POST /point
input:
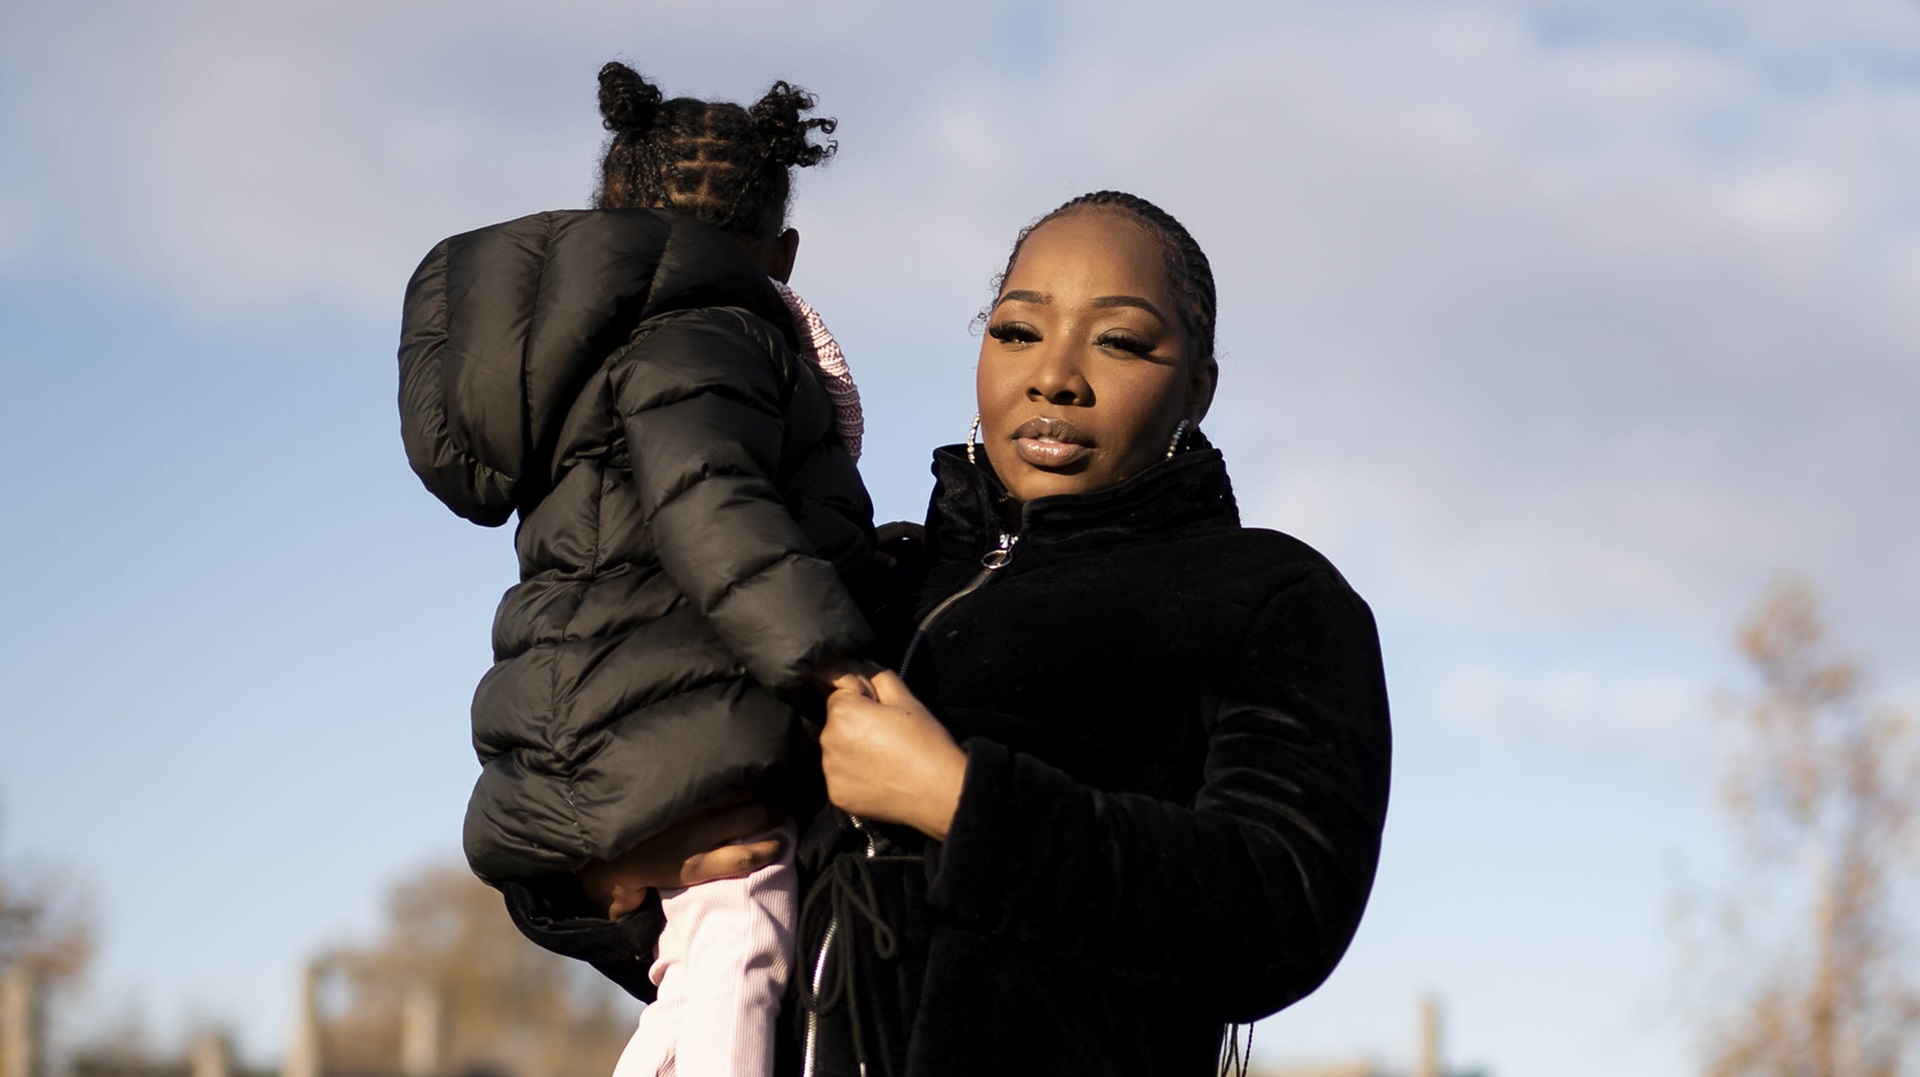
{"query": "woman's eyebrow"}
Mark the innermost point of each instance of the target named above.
(1024, 296)
(1106, 301)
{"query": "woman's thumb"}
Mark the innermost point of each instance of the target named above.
(889, 688)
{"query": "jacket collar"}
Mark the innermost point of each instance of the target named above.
(967, 515)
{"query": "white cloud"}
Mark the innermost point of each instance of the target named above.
(249, 161)
(1623, 711)
(1543, 322)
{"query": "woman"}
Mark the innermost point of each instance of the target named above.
(1131, 785)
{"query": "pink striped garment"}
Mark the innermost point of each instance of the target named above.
(721, 967)
(823, 353)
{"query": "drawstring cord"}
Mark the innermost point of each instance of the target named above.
(1234, 1060)
(845, 890)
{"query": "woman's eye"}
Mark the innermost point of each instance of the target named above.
(1126, 342)
(1012, 333)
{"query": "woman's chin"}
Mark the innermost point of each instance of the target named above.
(1030, 483)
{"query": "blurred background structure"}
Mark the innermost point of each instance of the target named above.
(447, 987)
(1564, 327)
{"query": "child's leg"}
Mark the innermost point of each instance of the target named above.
(721, 968)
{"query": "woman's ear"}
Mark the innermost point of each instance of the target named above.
(1201, 381)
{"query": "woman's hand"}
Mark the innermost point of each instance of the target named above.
(886, 757)
(700, 848)
(900, 533)
(853, 674)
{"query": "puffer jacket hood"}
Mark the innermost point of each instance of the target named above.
(505, 324)
(625, 382)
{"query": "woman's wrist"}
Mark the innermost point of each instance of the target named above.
(946, 777)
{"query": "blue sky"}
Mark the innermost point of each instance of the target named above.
(1562, 328)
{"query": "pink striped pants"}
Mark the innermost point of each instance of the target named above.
(722, 965)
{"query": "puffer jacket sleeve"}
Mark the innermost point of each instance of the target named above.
(703, 402)
(553, 913)
(1243, 900)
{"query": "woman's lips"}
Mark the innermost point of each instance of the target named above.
(1051, 443)
(1049, 454)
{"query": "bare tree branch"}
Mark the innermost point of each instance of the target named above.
(44, 922)
(1822, 789)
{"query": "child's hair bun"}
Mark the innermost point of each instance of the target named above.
(629, 104)
(782, 132)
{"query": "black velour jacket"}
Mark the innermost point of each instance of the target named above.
(1178, 759)
(626, 382)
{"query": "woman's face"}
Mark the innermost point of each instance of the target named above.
(1084, 370)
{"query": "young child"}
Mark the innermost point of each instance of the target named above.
(676, 431)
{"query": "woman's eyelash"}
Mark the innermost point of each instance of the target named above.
(1020, 333)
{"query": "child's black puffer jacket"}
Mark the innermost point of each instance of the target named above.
(625, 381)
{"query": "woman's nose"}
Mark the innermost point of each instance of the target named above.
(1056, 379)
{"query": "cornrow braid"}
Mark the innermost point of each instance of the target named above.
(1187, 266)
(727, 165)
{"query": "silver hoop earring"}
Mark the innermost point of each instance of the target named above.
(1179, 435)
(973, 436)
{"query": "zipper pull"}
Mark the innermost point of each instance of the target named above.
(998, 558)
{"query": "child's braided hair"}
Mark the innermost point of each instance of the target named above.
(727, 165)
(1187, 265)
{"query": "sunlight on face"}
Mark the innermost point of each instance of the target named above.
(1084, 370)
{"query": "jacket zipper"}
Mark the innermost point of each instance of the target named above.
(993, 561)
(819, 975)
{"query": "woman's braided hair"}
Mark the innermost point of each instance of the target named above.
(1187, 266)
(727, 165)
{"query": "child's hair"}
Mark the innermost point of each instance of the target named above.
(727, 165)
(1187, 265)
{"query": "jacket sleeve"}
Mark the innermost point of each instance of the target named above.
(552, 913)
(1243, 900)
(703, 406)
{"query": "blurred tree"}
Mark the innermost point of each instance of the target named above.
(44, 923)
(502, 1004)
(1823, 790)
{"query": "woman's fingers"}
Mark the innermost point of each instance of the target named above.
(900, 529)
(848, 674)
(889, 689)
(729, 861)
(887, 758)
(898, 534)
(849, 717)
